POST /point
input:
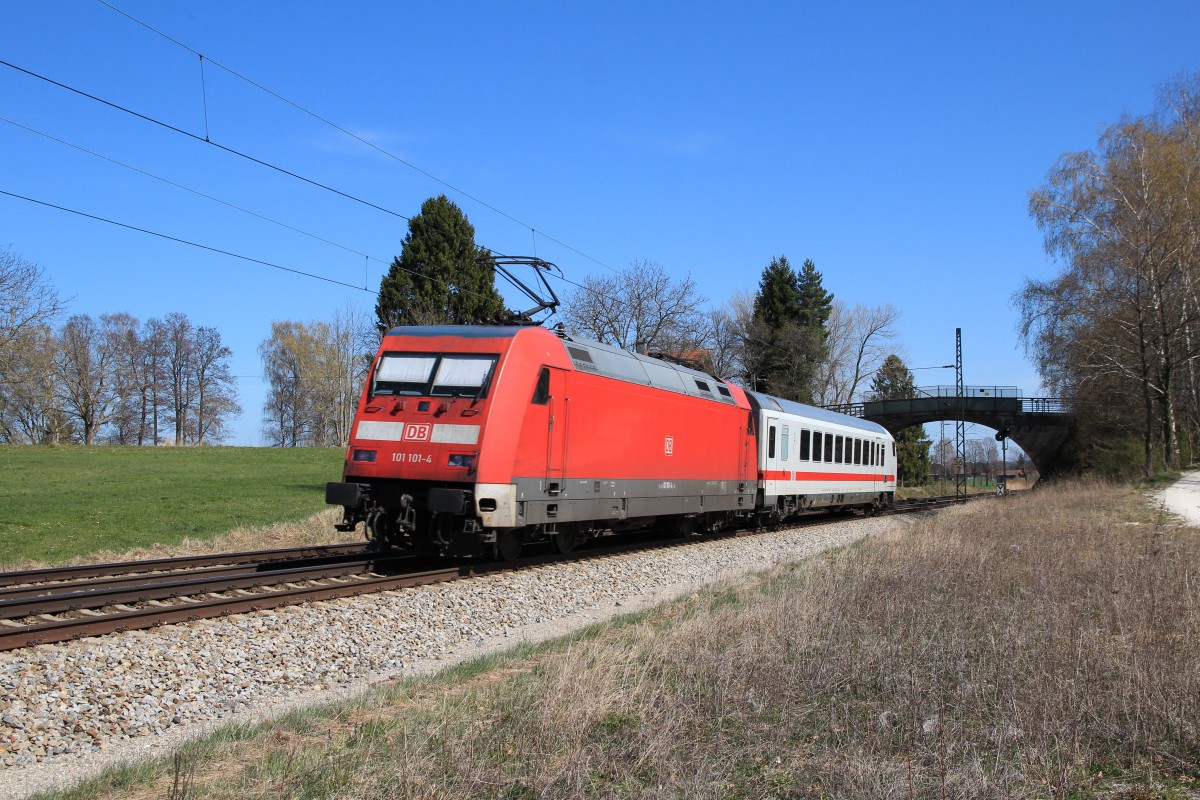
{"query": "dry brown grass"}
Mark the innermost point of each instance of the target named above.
(1042, 646)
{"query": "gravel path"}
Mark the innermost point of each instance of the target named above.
(1183, 498)
(67, 711)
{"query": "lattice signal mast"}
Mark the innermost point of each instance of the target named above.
(960, 424)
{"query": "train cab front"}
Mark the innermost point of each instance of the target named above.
(413, 456)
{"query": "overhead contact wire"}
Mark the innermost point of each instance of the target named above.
(355, 136)
(211, 249)
(193, 136)
(183, 241)
(196, 192)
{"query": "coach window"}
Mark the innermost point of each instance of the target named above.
(837, 450)
(805, 442)
(829, 448)
(783, 443)
(771, 442)
(871, 453)
(541, 392)
(816, 446)
(858, 451)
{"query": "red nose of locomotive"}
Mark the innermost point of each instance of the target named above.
(419, 438)
(414, 453)
(421, 416)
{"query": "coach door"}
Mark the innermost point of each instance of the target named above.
(558, 428)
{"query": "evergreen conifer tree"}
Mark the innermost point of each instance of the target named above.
(894, 381)
(441, 277)
(785, 340)
(815, 303)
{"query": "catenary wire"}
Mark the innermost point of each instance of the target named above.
(196, 192)
(214, 144)
(127, 226)
(193, 136)
(351, 134)
(251, 158)
(222, 147)
(183, 241)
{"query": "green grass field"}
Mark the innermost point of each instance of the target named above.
(57, 503)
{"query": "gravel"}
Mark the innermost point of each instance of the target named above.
(68, 711)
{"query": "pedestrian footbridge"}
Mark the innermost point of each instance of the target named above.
(1038, 425)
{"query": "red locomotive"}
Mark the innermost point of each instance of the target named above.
(472, 440)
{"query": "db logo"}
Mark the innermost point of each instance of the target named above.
(669, 445)
(417, 432)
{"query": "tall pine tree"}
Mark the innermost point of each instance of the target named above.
(816, 304)
(894, 381)
(441, 277)
(785, 340)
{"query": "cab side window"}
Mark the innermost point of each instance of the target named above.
(541, 392)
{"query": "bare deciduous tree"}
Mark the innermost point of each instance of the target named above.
(179, 342)
(943, 457)
(316, 371)
(860, 338)
(724, 343)
(85, 372)
(640, 308)
(26, 301)
(216, 394)
(125, 422)
(29, 411)
(28, 308)
(1124, 312)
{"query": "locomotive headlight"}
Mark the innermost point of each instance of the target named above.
(364, 455)
(461, 460)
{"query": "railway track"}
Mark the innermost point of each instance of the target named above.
(165, 565)
(55, 605)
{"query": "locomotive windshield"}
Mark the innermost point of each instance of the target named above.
(431, 375)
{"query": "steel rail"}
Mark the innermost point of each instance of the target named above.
(49, 574)
(159, 589)
(126, 619)
(263, 568)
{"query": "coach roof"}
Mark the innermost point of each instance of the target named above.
(766, 401)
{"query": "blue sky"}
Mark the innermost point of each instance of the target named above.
(894, 144)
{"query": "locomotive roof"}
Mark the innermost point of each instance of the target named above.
(464, 331)
(594, 357)
(615, 362)
(814, 412)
